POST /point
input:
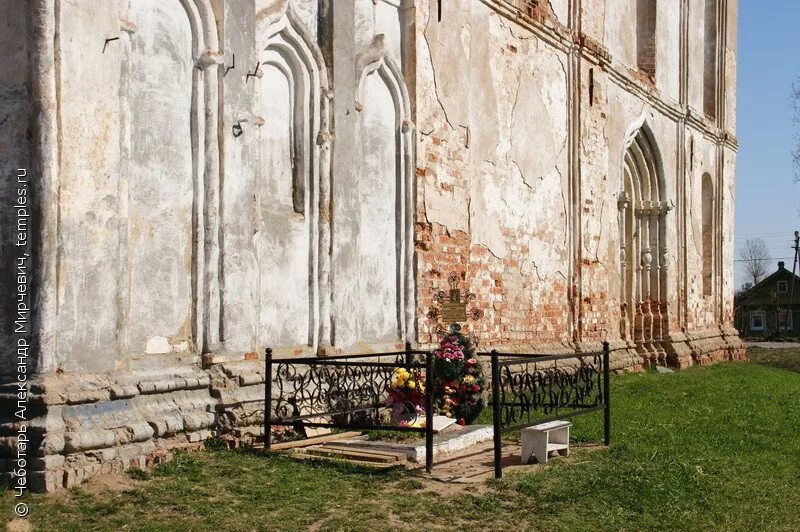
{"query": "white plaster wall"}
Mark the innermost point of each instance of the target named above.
(697, 11)
(14, 122)
(242, 164)
(731, 65)
(561, 10)
(704, 161)
(728, 199)
(159, 176)
(668, 25)
(504, 112)
(376, 269)
(379, 17)
(88, 175)
(283, 239)
(620, 31)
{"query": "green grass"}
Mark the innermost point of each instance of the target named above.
(706, 448)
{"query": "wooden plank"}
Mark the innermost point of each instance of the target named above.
(374, 465)
(350, 454)
(364, 450)
(313, 441)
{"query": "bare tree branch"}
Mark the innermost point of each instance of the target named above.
(796, 112)
(755, 257)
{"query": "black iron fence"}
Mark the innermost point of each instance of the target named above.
(529, 389)
(343, 392)
(350, 391)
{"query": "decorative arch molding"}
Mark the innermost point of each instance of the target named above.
(205, 56)
(285, 45)
(376, 61)
(643, 209)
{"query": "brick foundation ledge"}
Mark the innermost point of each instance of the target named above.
(82, 425)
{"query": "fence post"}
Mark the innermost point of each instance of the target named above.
(606, 394)
(409, 356)
(268, 399)
(498, 449)
(428, 411)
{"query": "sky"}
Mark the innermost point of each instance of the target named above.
(767, 198)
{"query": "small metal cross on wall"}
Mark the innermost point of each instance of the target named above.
(453, 306)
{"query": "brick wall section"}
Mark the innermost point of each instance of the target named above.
(502, 292)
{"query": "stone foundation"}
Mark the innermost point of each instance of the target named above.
(82, 425)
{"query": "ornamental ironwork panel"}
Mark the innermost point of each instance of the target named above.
(348, 392)
(532, 390)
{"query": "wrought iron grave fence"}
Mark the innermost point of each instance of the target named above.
(350, 391)
(529, 389)
(343, 392)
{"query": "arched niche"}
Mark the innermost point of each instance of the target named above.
(291, 185)
(643, 208)
(169, 166)
(380, 275)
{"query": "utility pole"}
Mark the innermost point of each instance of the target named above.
(796, 247)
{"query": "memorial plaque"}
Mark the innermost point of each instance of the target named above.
(454, 311)
(452, 307)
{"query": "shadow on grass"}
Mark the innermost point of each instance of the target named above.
(788, 359)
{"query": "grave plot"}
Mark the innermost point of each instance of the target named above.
(406, 408)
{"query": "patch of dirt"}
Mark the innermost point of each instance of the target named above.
(111, 482)
(18, 525)
(470, 470)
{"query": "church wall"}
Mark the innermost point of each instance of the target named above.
(211, 207)
(491, 180)
(15, 116)
(89, 197)
(244, 174)
(701, 307)
(696, 54)
(158, 182)
(727, 197)
(667, 53)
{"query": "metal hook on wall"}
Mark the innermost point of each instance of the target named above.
(231, 67)
(108, 41)
(256, 73)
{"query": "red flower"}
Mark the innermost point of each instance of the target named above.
(461, 422)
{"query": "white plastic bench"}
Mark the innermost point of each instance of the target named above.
(540, 440)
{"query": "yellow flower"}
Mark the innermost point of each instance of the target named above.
(469, 379)
(412, 384)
